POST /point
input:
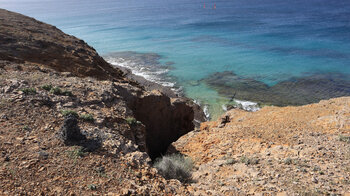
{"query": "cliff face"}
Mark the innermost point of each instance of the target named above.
(45, 75)
(288, 150)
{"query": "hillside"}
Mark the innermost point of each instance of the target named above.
(301, 150)
(72, 123)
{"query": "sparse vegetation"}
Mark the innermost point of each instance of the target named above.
(92, 187)
(230, 162)
(101, 172)
(47, 87)
(26, 128)
(175, 166)
(69, 112)
(132, 121)
(87, 117)
(58, 91)
(77, 153)
(343, 138)
(316, 168)
(249, 161)
(67, 93)
(28, 91)
(288, 161)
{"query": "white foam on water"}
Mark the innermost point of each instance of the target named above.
(147, 72)
(206, 112)
(248, 105)
(224, 107)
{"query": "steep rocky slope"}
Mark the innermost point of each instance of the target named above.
(290, 150)
(24, 39)
(45, 75)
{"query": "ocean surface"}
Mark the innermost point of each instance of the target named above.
(274, 52)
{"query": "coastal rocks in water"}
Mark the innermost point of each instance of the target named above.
(70, 131)
(294, 91)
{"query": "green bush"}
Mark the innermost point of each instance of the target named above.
(58, 91)
(69, 112)
(47, 87)
(343, 138)
(92, 187)
(28, 91)
(249, 161)
(67, 93)
(77, 153)
(87, 117)
(175, 166)
(132, 121)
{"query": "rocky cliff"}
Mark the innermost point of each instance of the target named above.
(66, 114)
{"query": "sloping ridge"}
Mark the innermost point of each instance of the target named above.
(24, 39)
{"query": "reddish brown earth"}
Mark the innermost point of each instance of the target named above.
(24, 39)
(288, 150)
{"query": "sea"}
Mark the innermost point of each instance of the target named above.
(220, 53)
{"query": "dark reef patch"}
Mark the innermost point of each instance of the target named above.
(293, 91)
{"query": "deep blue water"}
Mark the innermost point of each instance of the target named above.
(266, 40)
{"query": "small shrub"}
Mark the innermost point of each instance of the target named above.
(77, 153)
(28, 91)
(101, 171)
(26, 128)
(47, 87)
(316, 168)
(230, 162)
(343, 138)
(92, 187)
(288, 161)
(87, 117)
(249, 161)
(175, 167)
(56, 91)
(67, 93)
(132, 121)
(69, 112)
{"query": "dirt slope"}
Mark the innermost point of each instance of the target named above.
(288, 150)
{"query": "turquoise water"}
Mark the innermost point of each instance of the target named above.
(269, 41)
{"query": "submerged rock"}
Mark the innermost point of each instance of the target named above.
(293, 91)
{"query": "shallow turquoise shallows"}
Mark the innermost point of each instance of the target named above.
(268, 41)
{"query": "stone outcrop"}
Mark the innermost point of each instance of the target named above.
(70, 131)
